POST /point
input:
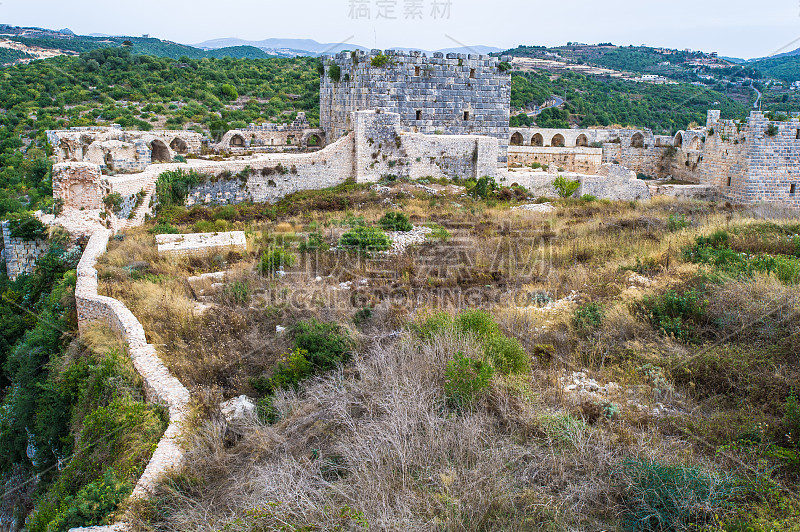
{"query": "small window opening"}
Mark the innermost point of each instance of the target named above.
(798, 134)
(729, 180)
(472, 73)
(792, 189)
(466, 115)
(419, 114)
(416, 71)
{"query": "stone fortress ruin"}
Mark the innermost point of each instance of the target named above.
(402, 115)
(756, 160)
(453, 94)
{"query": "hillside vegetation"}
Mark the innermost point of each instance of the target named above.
(605, 366)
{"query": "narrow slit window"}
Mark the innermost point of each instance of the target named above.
(466, 115)
(416, 73)
(472, 73)
(729, 180)
(419, 114)
(792, 189)
(798, 134)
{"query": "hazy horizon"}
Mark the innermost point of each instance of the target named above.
(732, 28)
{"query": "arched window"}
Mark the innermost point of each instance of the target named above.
(637, 141)
(516, 139)
(558, 141)
(537, 140)
(582, 141)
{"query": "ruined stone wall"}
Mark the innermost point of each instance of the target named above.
(79, 185)
(580, 160)
(639, 150)
(273, 137)
(119, 151)
(773, 163)
(457, 94)
(20, 255)
(160, 386)
(383, 149)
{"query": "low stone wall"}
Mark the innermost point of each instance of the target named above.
(159, 384)
(198, 243)
(698, 192)
(581, 160)
(20, 255)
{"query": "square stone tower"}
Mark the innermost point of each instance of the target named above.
(457, 94)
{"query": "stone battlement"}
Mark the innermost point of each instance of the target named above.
(457, 94)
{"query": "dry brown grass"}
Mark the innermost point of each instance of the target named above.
(376, 437)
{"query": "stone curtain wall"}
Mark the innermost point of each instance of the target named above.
(383, 149)
(773, 162)
(579, 160)
(640, 150)
(273, 176)
(160, 386)
(20, 255)
(431, 94)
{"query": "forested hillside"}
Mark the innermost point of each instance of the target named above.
(113, 85)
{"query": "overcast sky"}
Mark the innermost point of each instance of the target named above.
(738, 28)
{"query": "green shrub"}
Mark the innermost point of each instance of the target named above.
(663, 498)
(227, 212)
(676, 222)
(335, 72)
(588, 316)
(275, 259)
(466, 380)
(365, 239)
(204, 226)
(429, 325)
(438, 233)
(89, 507)
(380, 60)
(326, 344)
(678, 315)
(288, 373)
(772, 130)
(486, 187)
(588, 198)
(164, 228)
(477, 322)
(314, 241)
(564, 187)
(506, 354)
(172, 186)
(27, 227)
(113, 202)
(266, 411)
(395, 221)
(504, 66)
(237, 292)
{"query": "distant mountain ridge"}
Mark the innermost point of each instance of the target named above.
(314, 48)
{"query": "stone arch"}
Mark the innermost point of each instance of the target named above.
(582, 141)
(314, 140)
(159, 152)
(237, 141)
(179, 145)
(66, 152)
(516, 139)
(637, 141)
(695, 143)
(678, 140)
(109, 161)
(537, 140)
(558, 141)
